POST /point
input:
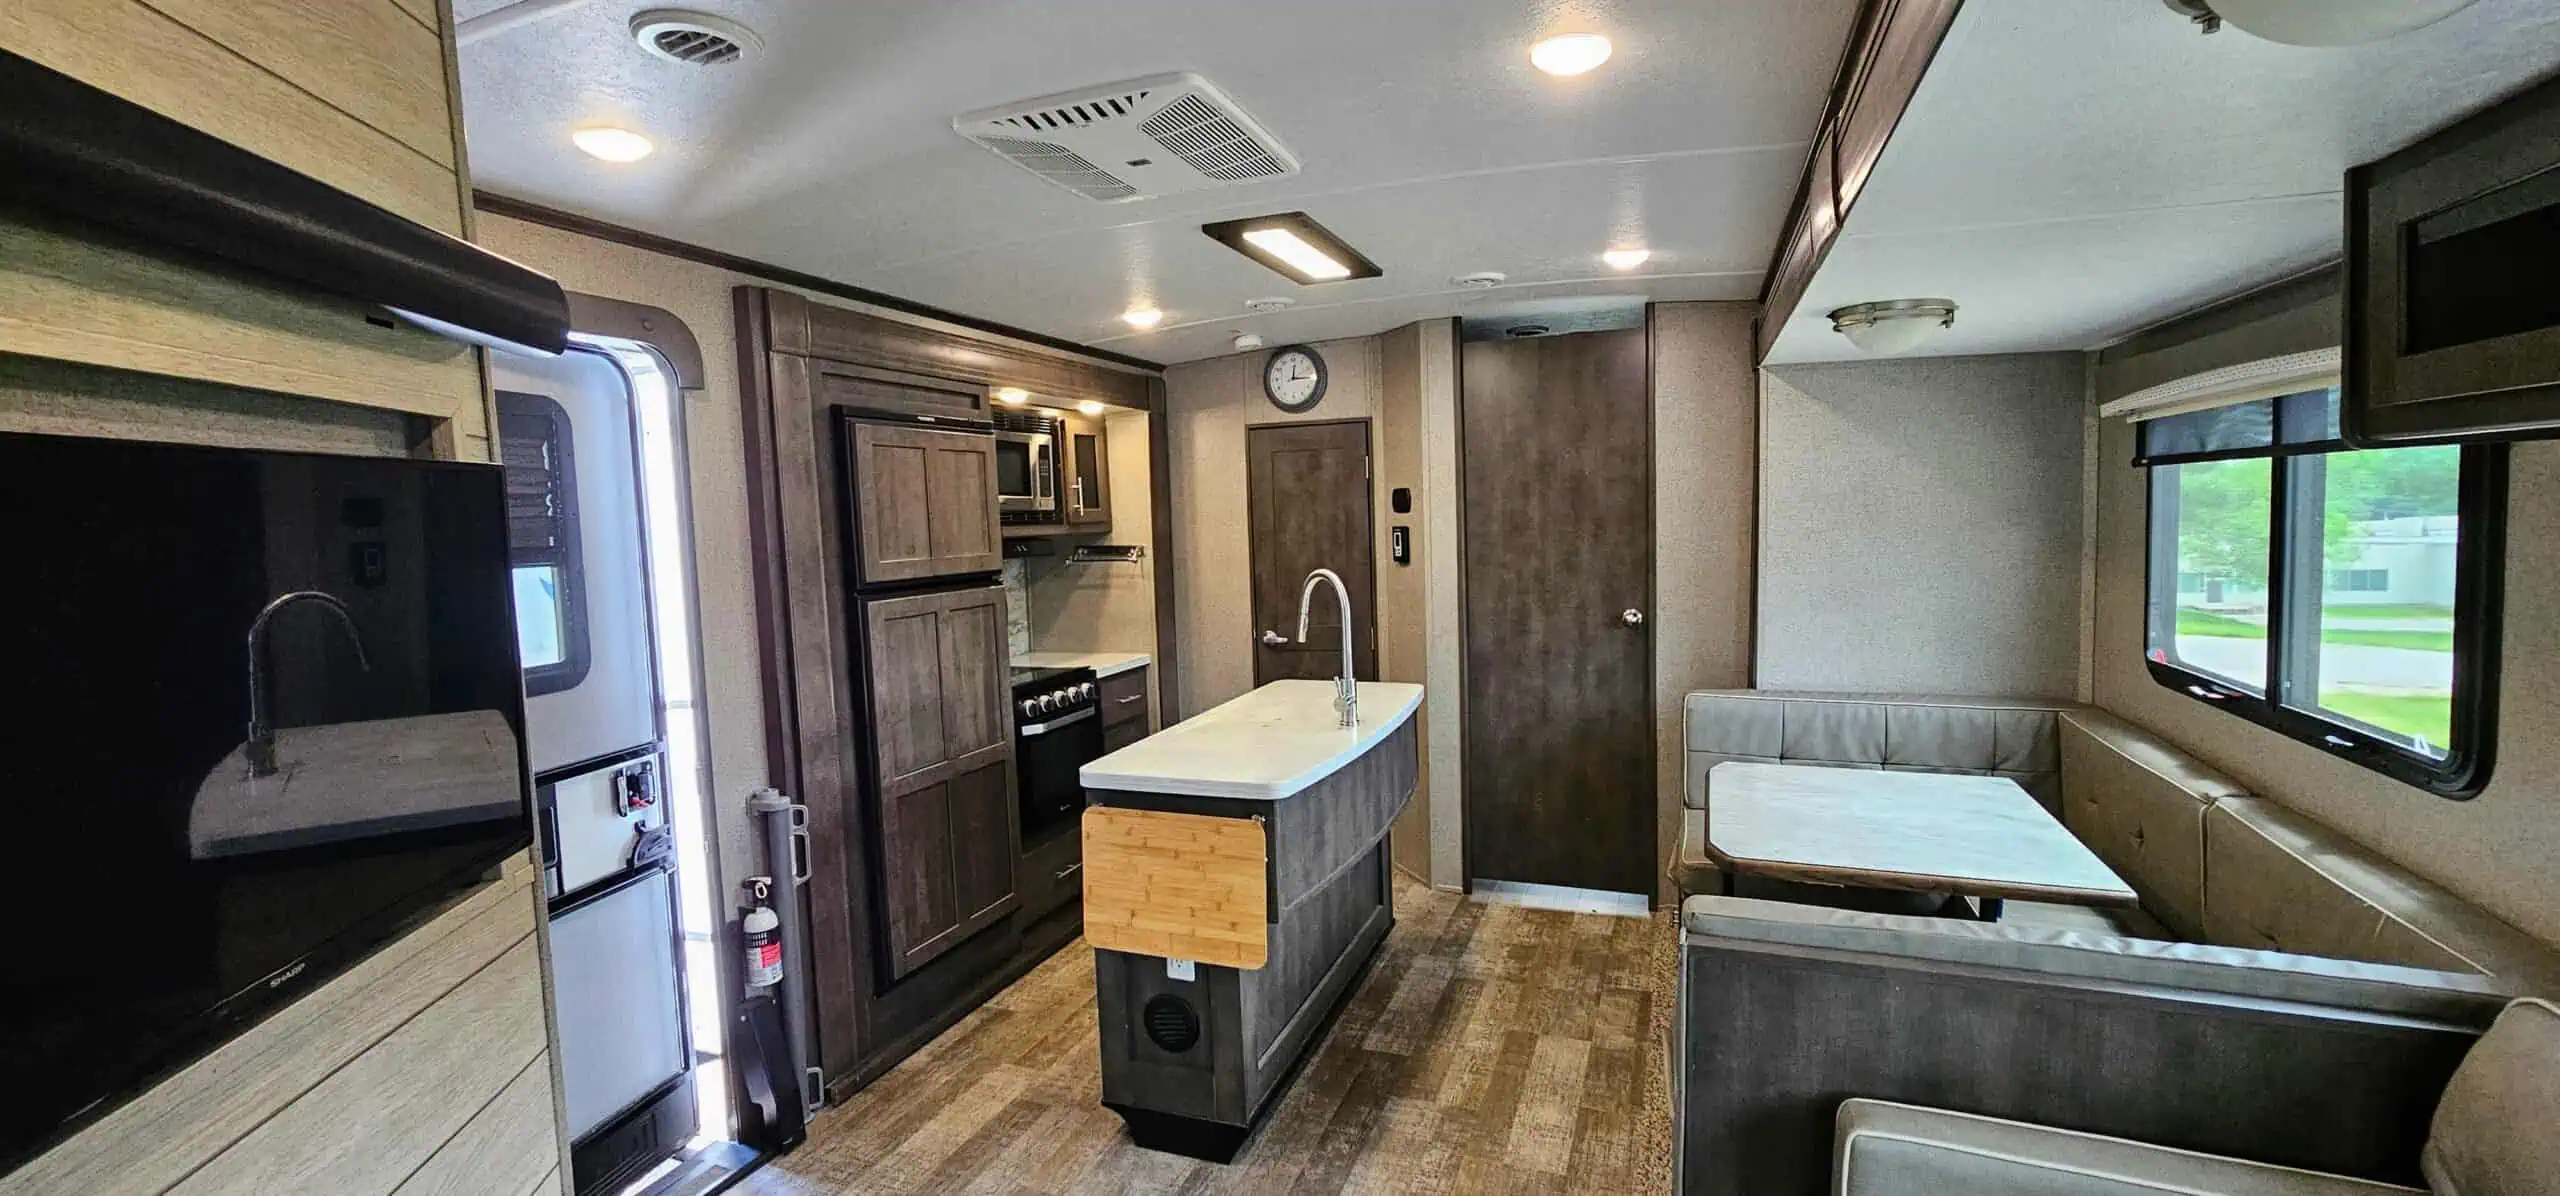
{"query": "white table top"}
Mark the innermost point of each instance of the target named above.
(1264, 746)
(1103, 664)
(1979, 836)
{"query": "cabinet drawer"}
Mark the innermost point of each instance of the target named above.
(1052, 874)
(1120, 735)
(1124, 697)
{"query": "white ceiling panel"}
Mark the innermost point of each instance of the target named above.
(1427, 141)
(2072, 171)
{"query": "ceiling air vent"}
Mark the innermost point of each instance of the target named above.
(1133, 140)
(693, 38)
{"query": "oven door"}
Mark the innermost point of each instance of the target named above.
(1046, 759)
(1026, 472)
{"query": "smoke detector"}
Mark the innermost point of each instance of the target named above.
(1266, 306)
(1135, 140)
(694, 38)
(1481, 280)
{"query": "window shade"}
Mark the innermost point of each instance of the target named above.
(2248, 382)
(2283, 426)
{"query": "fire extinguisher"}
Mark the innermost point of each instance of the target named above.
(763, 935)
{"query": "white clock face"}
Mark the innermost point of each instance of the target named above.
(1293, 378)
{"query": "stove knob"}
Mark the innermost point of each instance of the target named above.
(1085, 691)
(1048, 702)
(1029, 708)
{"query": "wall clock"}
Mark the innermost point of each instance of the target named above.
(1294, 378)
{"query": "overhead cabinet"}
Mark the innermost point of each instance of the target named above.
(924, 502)
(1087, 456)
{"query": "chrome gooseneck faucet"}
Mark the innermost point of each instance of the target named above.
(261, 748)
(1346, 688)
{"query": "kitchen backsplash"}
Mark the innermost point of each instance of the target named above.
(1017, 609)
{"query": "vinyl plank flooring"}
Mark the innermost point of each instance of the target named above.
(1492, 1049)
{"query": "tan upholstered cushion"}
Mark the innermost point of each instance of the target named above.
(2232, 971)
(2277, 879)
(2497, 1128)
(2087, 919)
(1691, 870)
(1885, 1149)
(2139, 803)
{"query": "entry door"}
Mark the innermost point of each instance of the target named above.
(1557, 514)
(1309, 510)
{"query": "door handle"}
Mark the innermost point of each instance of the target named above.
(1274, 638)
(1631, 617)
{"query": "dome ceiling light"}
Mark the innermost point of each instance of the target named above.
(1893, 326)
(2318, 22)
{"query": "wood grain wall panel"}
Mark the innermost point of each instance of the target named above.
(211, 1107)
(66, 297)
(509, 1148)
(137, 52)
(367, 58)
(374, 1122)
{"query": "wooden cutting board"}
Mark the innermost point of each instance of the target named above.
(1180, 886)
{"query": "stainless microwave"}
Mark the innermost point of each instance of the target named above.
(1027, 468)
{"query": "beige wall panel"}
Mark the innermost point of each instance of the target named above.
(1444, 703)
(128, 48)
(210, 1108)
(367, 58)
(2497, 849)
(1928, 506)
(76, 300)
(65, 399)
(378, 1119)
(1705, 469)
(1403, 595)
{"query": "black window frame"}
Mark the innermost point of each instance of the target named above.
(2297, 493)
(543, 418)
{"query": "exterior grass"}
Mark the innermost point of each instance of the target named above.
(2207, 623)
(2427, 717)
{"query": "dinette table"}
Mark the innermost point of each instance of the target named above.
(1981, 837)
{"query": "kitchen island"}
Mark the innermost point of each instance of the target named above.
(1236, 890)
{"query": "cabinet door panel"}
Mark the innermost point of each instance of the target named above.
(974, 682)
(910, 728)
(982, 842)
(919, 899)
(1120, 735)
(1088, 468)
(925, 502)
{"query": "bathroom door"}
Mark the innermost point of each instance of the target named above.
(1308, 509)
(1556, 445)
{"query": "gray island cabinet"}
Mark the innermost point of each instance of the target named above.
(1236, 890)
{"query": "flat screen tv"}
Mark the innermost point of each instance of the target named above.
(259, 713)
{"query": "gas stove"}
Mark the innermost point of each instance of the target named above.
(1044, 695)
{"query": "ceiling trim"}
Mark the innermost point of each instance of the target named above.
(587, 226)
(1890, 50)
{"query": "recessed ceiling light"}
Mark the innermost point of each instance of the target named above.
(1294, 245)
(612, 144)
(1089, 407)
(1570, 54)
(1012, 396)
(1627, 258)
(1142, 317)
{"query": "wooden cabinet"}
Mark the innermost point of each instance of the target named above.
(1124, 703)
(1086, 459)
(924, 502)
(942, 770)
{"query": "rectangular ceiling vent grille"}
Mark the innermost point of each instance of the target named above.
(1134, 140)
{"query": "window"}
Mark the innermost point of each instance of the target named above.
(2345, 598)
(537, 451)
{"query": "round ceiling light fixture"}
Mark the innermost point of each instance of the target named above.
(1012, 396)
(1570, 54)
(1089, 407)
(611, 144)
(2319, 22)
(694, 38)
(1626, 257)
(1894, 325)
(1481, 280)
(1142, 317)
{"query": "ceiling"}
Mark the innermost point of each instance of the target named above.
(2073, 171)
(1428, 142)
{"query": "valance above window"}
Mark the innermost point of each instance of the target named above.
(2277, 407)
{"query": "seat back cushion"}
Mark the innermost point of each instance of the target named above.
(2497, 1129)
(1975, 736)
(1886, 1149)
(2278, 880)
(2140, 803)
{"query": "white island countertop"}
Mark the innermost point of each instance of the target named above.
(1103, 664)
(1265, 746)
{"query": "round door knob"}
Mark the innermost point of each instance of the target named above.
(1274, 638)
(1631, 617)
